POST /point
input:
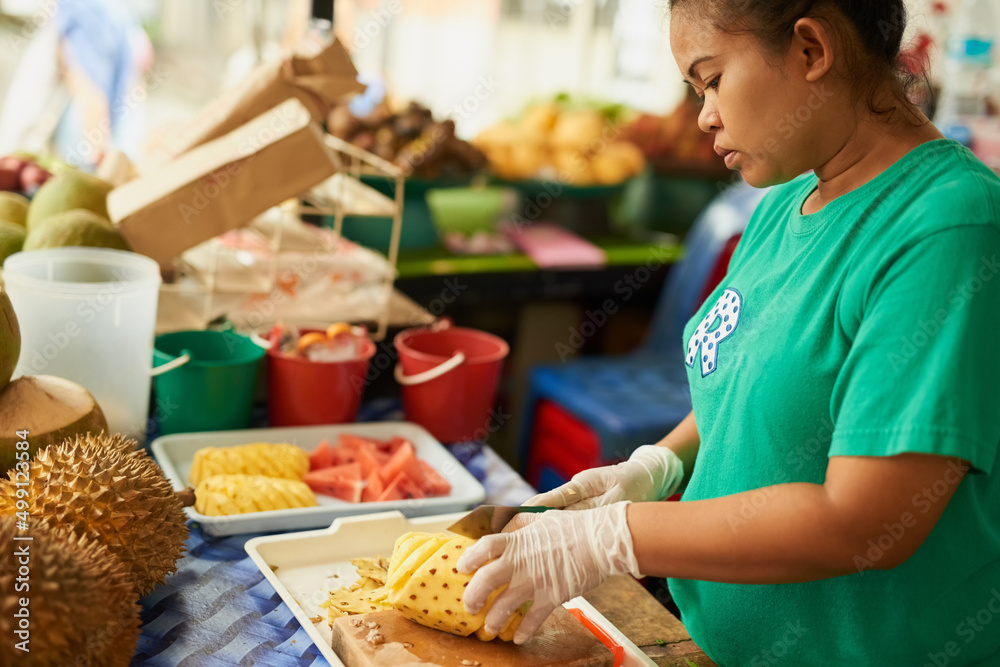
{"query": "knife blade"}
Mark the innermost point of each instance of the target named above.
(490, 519)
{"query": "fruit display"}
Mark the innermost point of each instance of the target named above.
(82, 602)
(261, 458)
(252, 478)
(23, 173)
(676, 139)
(78, 227)
(66, 192)
(49, 408)
(221, 495)
(340, 342)
(101, 487)
(570, 142)
(410, 139)
(421, 581)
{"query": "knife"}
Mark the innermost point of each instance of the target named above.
(490, 519)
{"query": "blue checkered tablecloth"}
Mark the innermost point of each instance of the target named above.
(218, 609)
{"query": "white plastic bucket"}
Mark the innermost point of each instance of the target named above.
(89, 315)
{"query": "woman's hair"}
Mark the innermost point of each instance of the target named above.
(872, 36)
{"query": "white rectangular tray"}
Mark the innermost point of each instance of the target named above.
(175, 453)
(302, 567)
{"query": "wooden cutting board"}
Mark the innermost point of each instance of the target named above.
(561, 640)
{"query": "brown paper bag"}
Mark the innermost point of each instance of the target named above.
(222, 184)
(319, 82)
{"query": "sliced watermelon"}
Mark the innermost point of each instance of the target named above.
(373, 487)
(393, 490)
(434, 482)
(370, 459)
(341, 455)
(356, 441)
(322, 456)
(342, 482)
(343, 488)
(405, 461)
(410, 488)
(347, 471)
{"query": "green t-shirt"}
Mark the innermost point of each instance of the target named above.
(870, 328)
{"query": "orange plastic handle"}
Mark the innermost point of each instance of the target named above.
(617, 650)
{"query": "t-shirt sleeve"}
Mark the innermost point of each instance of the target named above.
(923, 372)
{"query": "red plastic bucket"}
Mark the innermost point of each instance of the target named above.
(450, 377)
(303, 392)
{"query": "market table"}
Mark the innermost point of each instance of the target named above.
(218, 610)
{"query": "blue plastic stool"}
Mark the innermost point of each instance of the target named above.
(638, 398)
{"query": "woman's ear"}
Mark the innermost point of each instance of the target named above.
(812, 48)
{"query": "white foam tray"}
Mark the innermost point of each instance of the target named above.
(302, 567)
(174, 453)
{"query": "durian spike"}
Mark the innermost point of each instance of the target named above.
(82, 602)
(91, 485)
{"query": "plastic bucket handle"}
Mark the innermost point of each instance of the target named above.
(420, 378)
(170, 365)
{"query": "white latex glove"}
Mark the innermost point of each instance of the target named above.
(651, 473)
(556, 557)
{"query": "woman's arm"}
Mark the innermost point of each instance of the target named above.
(871, 513)
(684, 441)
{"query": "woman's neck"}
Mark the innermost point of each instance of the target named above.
(873, 146)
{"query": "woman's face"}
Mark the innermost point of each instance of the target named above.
(767, 117)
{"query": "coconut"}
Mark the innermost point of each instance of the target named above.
(50, 409)
(14, 208)
(10, 343)
(11, 239)
(67, 191)
(74, 228)
(82, 609)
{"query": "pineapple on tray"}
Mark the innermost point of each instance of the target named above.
(422, 582)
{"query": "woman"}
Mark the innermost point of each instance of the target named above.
(843, 498)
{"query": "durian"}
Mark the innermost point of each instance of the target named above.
(425, 586)
(98, 487)
(81, 603)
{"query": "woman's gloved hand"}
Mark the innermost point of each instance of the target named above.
(651, 473)
(554, 558)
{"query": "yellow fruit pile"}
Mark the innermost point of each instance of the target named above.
(578, 147)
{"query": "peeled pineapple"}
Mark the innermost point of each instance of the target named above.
(426, 587)
(262, 458)
(237, 494)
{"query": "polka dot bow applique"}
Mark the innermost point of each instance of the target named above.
(718, 325)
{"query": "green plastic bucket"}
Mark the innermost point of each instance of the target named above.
(204, 380)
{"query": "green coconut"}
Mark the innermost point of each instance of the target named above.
(10, 340)
(74, 228)
(14, 208)
(11, 239)
(68, 191)
(50, 409)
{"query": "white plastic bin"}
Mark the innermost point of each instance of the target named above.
(88, 315)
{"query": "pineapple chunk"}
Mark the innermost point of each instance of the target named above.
(262, 458)
(425, 586)
(222, 495)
